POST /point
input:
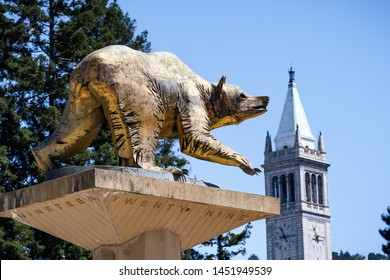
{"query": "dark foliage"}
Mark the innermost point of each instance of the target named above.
(41, 42)
(347, 256)
(227, 246)
(385, 233)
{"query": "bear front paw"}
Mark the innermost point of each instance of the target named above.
(249, 170)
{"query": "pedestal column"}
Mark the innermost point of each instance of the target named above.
(160, 244)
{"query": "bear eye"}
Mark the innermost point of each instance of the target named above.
(243, 96)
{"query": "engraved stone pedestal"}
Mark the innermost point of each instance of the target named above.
(136, 215)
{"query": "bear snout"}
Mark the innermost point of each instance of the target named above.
(261, 102)
(265, 100)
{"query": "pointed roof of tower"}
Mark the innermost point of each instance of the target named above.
(293, 115)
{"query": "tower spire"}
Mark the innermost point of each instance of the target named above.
(293, 114)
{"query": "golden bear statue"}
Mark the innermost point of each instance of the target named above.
(144, 97)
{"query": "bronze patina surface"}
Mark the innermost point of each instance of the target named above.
(144, 97)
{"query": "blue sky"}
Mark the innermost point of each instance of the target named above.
(341, 53)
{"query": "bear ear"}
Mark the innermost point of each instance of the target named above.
(221, 82)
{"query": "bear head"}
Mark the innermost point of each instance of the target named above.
(228, 105)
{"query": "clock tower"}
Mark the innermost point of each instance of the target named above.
(297, 173)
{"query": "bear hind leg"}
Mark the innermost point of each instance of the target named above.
(81, 121)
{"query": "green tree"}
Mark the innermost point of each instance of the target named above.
(192, 254)
(253, 257)
(20, 77)
(227, 246)
(347, 256)
(385, 233)
(166, 156)
(41, 43)
(374, 256)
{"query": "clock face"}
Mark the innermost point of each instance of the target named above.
(317, 240)
(318, 233)
(286, 243)
(285, 234)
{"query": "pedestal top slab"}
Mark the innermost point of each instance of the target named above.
(98, 207)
